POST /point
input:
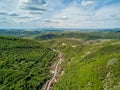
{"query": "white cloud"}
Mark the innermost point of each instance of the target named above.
(87, 2)
(79, 18)
(61, 13)
(108, 12)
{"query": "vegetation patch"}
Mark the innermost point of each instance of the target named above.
(24, 64)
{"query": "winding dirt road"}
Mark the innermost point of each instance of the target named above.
(60, 56)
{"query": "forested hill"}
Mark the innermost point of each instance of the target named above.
(82, 35)
(88, 65)
(24, 64)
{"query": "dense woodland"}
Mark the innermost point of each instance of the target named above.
(24, 64)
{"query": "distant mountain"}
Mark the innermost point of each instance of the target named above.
(105, 34)
(18, 32)
(37, 31)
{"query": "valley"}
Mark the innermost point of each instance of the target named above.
(59, 44)
(61, 61)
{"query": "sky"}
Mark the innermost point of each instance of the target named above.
(59, 13)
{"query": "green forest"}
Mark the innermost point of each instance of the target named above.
(91, 61)
(24, 64)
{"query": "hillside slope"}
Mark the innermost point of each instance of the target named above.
(24, 64)
(88, 65)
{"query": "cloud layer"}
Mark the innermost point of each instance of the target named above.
(60, 13)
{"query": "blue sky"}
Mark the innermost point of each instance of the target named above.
(60, 13)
